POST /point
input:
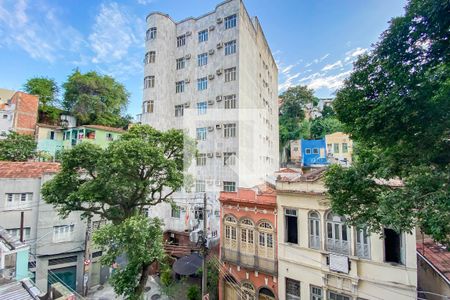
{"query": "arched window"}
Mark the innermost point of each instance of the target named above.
(362, 243)
(265, 244)
(247, 237)
(266, 294)
(337, 234)
(248, 291)
(230, 241)
(314, 230)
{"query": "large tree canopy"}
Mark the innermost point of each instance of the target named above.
(95, 99)
(47, 90)
(396, 105)
(294, 101)
(17, 147)
(143, 168)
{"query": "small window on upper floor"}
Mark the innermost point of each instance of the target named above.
(203, 36)
(315, 150)
(230, 21)
(344, 148)
(291, 227)
(393, 247)
(230, 47)
(181, 40)
(179, 86)
(202, 107)
(202, 59)
(181, 62)
(52, 135)
(308, 151)
(149, 82)
(150, 57)
(230, 74)
(151, 33)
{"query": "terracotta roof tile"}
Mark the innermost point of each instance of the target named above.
(436, 254)
(27, 169)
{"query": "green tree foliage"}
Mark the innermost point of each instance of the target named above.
(325, 125)
(138, 238)
(142, 168)
(396, 106)
(47, 89)
(95, 99)
(294, 100)
(193, 293)
(17, 147)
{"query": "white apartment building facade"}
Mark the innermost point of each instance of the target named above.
(214, 77)
(320, 257)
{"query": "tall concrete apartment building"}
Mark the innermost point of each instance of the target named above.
(213, 76)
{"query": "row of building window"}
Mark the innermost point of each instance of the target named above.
(248, 239)
(229, 131)
(202, 58)
(18, 199)
(335, 148)
(229, 158)
(228, 186)
(229, 103)
(337, 238)
(202, 83)
(316, 293)
(230, 22)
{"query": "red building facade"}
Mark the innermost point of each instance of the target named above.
(248, 244)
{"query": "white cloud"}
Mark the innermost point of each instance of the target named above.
(145, 2)
(288, 82)
(352, 54)
(329, 82)
(335, 65)
(37, 29)
(325, 56)
(113, 34)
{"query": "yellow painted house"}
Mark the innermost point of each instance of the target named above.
(339, 147)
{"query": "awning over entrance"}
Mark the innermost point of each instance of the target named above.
(188, 265)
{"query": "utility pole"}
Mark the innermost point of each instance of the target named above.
(204, 248)
(22, 217)
(87, 258)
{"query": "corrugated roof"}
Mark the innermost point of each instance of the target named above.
(27, 169)
(14, 291)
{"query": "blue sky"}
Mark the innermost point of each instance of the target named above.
(313, 41)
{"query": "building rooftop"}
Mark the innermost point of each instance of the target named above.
(27, 169)
(105, 128)
(9, 241)
(436, 254)
(305, 176)
(19, 290)
(263, 194)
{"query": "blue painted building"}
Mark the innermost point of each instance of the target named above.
(313, 152)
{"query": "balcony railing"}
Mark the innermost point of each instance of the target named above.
(252, 262)
(314, 242)
(362, 250)
(338, 246)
